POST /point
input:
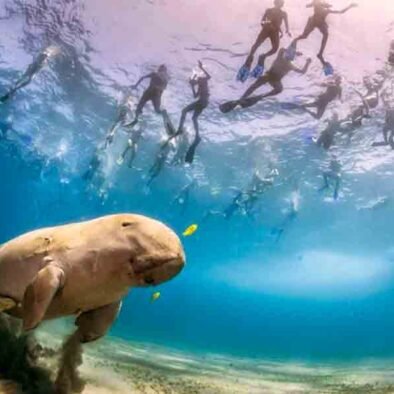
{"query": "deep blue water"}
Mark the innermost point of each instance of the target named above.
(324, 291)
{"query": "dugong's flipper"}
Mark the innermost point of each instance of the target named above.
(6, 303)
(39, 295)
(94, 324)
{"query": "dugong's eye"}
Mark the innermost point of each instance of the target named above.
(126, 224)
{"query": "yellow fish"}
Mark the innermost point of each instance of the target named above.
(155, 296)
(190, 230)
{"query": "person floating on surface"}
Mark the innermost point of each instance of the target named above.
(333, 174)
(271, 28)
(32, 70)
(318, 21)
(158, 83)
(332, 92)
(200, 87)
(279, 69)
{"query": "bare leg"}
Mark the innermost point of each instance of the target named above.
(324, 31)
(275, 41)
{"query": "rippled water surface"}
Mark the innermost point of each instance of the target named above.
(325, 289)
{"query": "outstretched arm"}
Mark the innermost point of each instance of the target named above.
(304, 69)
(141, 79)
(203, 69)
(344, 10)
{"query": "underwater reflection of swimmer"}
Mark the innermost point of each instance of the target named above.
(327, 136)
(157, 85)
(332, 92)
(318, 21)
(333, 175)
(245, 200)
(93, 167)
(388, 128)
(159, 164)
(121, 119)
(290, 216)
(183, 197)
(271, 28)
(131, 147)
(32, 70)
(279, 69)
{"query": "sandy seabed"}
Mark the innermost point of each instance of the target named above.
(121, 367)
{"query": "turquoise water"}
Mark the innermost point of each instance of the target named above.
(325, 289)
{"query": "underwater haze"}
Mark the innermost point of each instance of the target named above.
(318, 287)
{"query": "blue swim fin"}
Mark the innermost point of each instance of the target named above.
(243, 73)
(258, 71)
(290, 52)
(328, 69)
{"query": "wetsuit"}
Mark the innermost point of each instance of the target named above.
(317, 20)
(332, 92)
(272, 21)
(158, 83)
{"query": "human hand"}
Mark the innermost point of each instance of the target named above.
(200, 64)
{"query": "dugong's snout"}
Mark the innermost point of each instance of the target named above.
(154, 272)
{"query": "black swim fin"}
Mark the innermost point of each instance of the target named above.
(380, 144)
(250, 101)
(228, 106)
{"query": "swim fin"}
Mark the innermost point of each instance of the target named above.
(250, 101)
(289, 106)
(243, 73)
(228, 106)
(380, 144)
(328, 69)
(258, 71)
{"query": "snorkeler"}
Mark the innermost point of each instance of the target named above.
(318, 21)
(183, 197)
(333, 91)
(279, 69)
(32, 70)
(132, 147)
(271, 28)
(120, 120)
(197, 107)
(333, 174)
(388, 128)
(245, 200)
(158, 83)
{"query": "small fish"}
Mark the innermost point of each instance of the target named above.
(155, 296)
(190, 230)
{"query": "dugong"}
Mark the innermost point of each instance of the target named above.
(85, 269)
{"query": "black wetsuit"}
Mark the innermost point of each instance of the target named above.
(272, 22)
(317, 20)
(158, 83)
